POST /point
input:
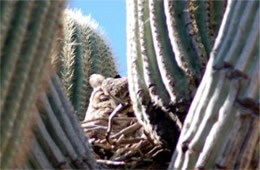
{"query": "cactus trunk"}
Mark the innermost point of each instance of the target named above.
(58, 134)
(24, 57)
(167, 55)
(84, 52)
(220, 128)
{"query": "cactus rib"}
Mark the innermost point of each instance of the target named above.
(10, 52)
(16, 91)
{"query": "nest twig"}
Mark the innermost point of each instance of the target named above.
(128, 146)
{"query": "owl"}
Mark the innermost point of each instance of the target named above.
(108, 95)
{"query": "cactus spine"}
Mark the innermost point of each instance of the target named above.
(166, 60)
(24, 54)
(222, 122)
(84, 52)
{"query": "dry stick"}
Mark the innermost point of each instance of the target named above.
(93, 127)
(132, 151)
(110, 119)
(116, 118)
(108, 162)
(130, 141)
(120, 139)
(127, 130)
(104, 146)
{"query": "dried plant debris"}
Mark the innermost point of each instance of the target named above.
(118, 139)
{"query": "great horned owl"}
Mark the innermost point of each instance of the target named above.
(107, 95)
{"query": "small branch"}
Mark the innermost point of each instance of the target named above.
(108, 162)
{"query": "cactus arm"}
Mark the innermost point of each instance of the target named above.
(194, 36)
(151, 117)
(242, 33)
(217, 99)
(86, 88)
(173, 77)
(185, 55)
(131, 52)
(40, 156)
(21, 76)
(215, 10)
(223, 111)
(10, 51)
(5, 18)
(84, 52)
(47, 144)
(199, 13)
(108, 68)
(78, 74)
(252, 91)
(221, 130)
(74, 121)
(131, 49)
(67, 55)
(64, 121)
(226, 41)
(152, 76)
(193, 119)
(69, 110)
(200, 106)
(36, 70)
(55, 128)
(33, 162)
(62, 131)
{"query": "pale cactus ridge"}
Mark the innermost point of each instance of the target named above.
(59, 141)
(27, 33)
(222, 126)
(168, 45)
(85, 51)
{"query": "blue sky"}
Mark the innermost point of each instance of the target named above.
(111, 16)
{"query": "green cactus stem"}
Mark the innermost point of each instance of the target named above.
(222, 117)
(24, 55)
(166, 60)
(84, 52)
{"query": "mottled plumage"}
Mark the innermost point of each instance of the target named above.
(106, 96)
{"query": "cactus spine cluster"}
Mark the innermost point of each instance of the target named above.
(167, 54)
(84, 52)
(28, 29)
(222, 125)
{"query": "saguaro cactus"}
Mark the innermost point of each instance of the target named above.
(28, 29)
(167, 53)
(222, 127)
(84, 52)
(58, 139)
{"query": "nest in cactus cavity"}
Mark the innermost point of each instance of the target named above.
(128, 146)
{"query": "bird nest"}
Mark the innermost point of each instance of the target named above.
(128, 146)
(118, 139)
